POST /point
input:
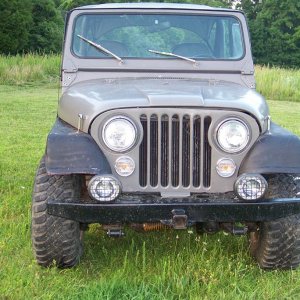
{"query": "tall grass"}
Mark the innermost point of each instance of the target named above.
(29, 68)
(274, 83)
(277, 83)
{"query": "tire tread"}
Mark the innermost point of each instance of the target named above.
(55, 240)
(278, 241)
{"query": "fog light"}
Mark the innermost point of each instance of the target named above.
(251, 186)
(225, 167)
(124, 166)
(104, 188)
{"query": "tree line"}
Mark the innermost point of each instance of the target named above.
(37, 26)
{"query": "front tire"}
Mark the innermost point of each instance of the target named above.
(276, 244)
(56, 241)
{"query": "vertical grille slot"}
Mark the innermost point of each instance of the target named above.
(154, 150)
(197, 151)
(186, 151)
(143, 152)
(164, 161)
(175, 151)
(207, 154)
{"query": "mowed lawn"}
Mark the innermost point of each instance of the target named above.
(156, 265)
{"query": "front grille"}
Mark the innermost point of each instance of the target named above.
(175, 151)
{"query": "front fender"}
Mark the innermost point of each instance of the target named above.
(277, 151)
(71, 152)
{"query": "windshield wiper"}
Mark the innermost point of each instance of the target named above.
(172, 54)
(101, 48)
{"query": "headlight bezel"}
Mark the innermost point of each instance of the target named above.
(244, 145)
(109, 121)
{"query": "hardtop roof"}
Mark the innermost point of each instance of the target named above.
(152, 5)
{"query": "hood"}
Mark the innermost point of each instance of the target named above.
(90, 98)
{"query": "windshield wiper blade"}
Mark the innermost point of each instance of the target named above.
(101, 48)
(173, 54)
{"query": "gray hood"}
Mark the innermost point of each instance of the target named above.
(93, 97)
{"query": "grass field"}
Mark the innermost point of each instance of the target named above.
(157, 265)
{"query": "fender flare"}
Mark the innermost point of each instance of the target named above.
(277, 151)
(71, 152)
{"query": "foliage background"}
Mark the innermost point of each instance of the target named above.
(37, 26)
(275, 30)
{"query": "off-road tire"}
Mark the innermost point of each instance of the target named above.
(276, 244)
(56, 241)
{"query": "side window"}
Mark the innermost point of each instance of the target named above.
(237, 40)
(233, 47)
(212, 36)
(228, 43)
(226, 39)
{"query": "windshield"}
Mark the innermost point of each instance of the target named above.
(198, 37)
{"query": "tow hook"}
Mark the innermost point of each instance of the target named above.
(178, 221)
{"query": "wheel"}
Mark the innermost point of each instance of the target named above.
(276, 244)
(56, 241)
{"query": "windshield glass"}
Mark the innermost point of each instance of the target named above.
(199, 37)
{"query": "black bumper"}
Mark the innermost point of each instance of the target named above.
(112, 213)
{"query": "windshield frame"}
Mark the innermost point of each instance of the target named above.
(179, 13)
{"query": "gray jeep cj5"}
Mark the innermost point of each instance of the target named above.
(159, 126)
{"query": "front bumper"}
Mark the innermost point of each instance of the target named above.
(112, 213)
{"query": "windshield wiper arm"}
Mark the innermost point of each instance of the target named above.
(101, 48)
(172, 54)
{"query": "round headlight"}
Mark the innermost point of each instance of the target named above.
(233, 135)
(119, 134)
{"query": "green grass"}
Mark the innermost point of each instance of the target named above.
(157, 265)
